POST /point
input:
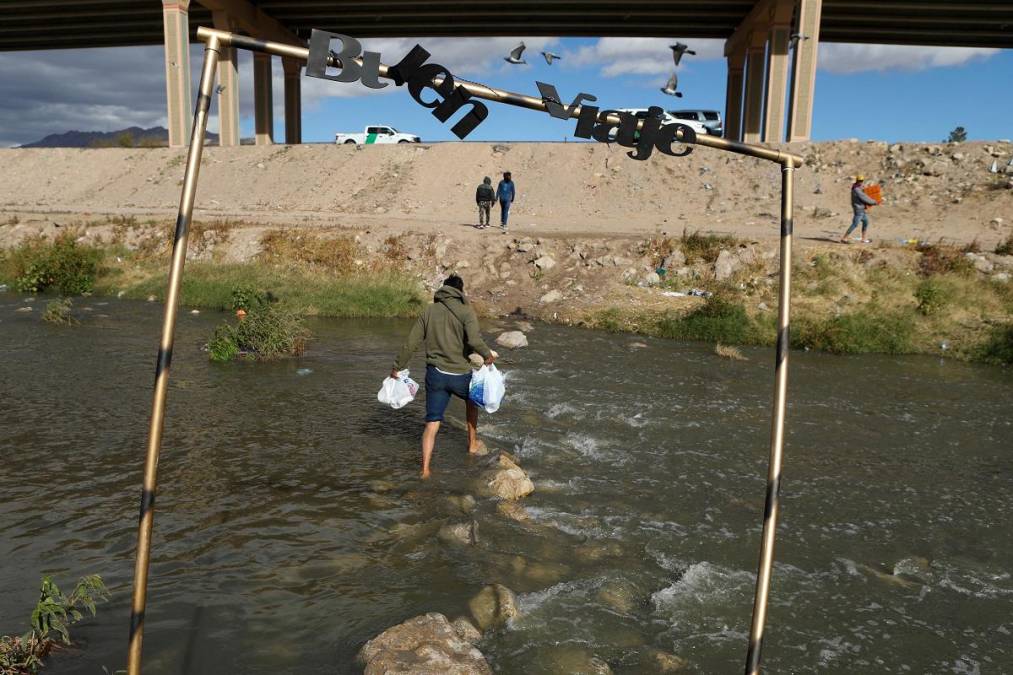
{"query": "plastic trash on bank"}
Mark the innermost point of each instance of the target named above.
(399, 392)
(487, 388)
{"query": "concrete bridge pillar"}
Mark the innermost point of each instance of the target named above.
(756, 54)
(293, 101)
(228, 85)
(179, 102)
(777, 80)
(733, 94)
(263, 100)
(803, 74)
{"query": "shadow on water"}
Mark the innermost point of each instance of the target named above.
(291, 525)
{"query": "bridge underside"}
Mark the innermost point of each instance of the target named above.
(764, 38)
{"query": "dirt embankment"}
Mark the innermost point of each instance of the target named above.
(595, 238)
(576, 189)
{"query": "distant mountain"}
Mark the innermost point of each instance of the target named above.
(130, 137)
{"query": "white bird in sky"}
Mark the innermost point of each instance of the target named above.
(549, 56)
(515, 54)
(678, 49)
(671, 86)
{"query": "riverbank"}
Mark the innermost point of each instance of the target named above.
(955, 301)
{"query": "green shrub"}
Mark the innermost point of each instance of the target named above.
(867, 330)
(249, 298)
(705, 247)
(998, 347)
(58, 311)
(268, 332)
(932, 296)
(63, 265)
(717, 320)
(936, 259)
(53, 614)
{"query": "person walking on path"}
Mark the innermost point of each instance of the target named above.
(484, 197)
(506, 192)
(449, 329)
(859, 200)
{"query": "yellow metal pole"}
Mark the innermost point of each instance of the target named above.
(216, 40)
(200, 120)
(772, 504)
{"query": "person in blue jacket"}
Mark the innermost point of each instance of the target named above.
(506, 192)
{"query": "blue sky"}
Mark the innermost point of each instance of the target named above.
(864, 91)
(878, 92)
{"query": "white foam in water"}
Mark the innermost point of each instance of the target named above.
(697, 599)
(560, 409)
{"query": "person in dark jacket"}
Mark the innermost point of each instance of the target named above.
(449, 329)
(859, 200)
(485, 197)
(506, 192)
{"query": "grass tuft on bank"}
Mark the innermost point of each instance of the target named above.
(211, 286)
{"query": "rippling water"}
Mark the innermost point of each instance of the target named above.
(291, 527)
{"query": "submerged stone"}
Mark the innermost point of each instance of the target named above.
(465, 534)
(493, 606)
(620, 595)
(513, 511)
(568, 659)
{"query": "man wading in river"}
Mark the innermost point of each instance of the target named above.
(449, 329)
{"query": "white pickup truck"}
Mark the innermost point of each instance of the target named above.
(378, 134)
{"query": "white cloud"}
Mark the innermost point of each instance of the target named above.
(640, 56)
(842, 58)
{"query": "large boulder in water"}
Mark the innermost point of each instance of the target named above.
(493, 606)
(424, 645)
(505, 480)
(512, 339)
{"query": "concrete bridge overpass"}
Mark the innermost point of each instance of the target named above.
(771, 45)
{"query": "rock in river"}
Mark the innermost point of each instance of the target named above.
(512, 339)
(505, 480)
(493, 606)
(465, 534)
(424, 645)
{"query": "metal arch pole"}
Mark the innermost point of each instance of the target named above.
(772, 504)
(216, 40)
(147, 516)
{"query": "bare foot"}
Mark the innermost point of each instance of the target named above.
(426, 475)
(478, 449)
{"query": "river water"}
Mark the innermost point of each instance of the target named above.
(291, 526)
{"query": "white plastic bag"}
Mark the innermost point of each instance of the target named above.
(398, 393)
(487, 388)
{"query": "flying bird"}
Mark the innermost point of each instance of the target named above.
(549, 57)
(796, 38)
(515, 54)
(671, 86)
(678, 49)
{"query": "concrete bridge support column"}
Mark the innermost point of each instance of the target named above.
(263, 100)
(777, 80)
(803, 74)
(293, 101)
(228, 85)
(179, 101)
(755, 61)
(733, 95)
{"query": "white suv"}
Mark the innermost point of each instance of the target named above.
(710, 119)
(666, 118)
